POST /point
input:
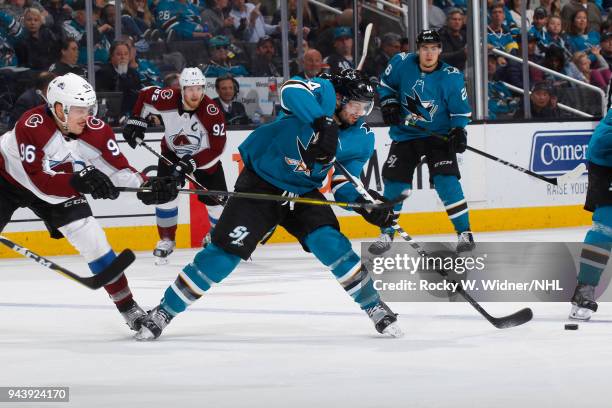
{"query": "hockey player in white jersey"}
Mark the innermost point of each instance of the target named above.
(194, 139)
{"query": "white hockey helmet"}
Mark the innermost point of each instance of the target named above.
(192, 77)
(71, 90)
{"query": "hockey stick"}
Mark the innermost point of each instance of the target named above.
(515, 319)
(272, 197)
(170, 163)
(110, 273)
(557, 181)
(366, 41)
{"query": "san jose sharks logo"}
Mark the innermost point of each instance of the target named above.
(301, 165)
(419, 109)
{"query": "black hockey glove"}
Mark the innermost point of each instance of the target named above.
(186, 165)
(92, 181)
(381, 217)
(135, 127)
(325, 141)
(163, 190)
(391, 111)
(457, 140)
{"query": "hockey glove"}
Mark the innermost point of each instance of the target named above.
(325, 140)
(135, 127)
(381, 217)
(163, 190)
(92, 181)
(457, 140)
(391, 111)
(186, 165)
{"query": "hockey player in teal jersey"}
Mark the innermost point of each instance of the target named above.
(323, 123)
(419, 89)
(598, 241)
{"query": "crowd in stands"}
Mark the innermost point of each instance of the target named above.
(230, 39)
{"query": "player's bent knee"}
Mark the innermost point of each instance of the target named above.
(88, 237)
(213, 264)
(328, 244)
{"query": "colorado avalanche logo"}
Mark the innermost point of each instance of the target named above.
(183, 143)
(419, 109)
(212, 109)
(166, 94)
(34, 120)
(94, 123)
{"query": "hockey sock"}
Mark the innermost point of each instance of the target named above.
(450, 192)
(211, 265)
(334, 250)
(394, 189)
(596, 250)
(214, 212)
(167, 219)
(118, 290)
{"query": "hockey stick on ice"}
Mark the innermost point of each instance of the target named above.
(110, 273)
(557, 181)
(273, 197)
(366, 41)
(515, 319)
(169, 162)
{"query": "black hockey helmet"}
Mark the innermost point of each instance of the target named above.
(354, 85)
(428, 37)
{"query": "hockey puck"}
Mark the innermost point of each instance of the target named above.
(571, 326)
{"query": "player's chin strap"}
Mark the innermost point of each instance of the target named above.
(515, 319)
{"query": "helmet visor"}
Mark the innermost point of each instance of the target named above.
(85, 111)
(359, 108)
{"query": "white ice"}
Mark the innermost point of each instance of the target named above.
(280, 332)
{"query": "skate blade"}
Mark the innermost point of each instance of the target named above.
(159, 261)
(144, 334)
(580, 314)
(393, 330)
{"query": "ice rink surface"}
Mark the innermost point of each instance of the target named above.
(280, 332)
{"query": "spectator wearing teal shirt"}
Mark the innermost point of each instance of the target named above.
(580, 37)
(220, 64)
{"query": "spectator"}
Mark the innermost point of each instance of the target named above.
(40, 46)
(543, 103)
(606, 47)
(454, 40)
(75, 28)
(148, 72)
(309, 18)
(69, 55)
(342, 58)
(389, 46)
(498, 36)
(11, 31)
(263, 63)
(118, 76)
(218, 18)
(249, 22)
(552, 7)
(535, 75)
(220, 64)
(593, 14)
(404, 44)
(325, 37)
(501, 102)
(555, 39)
(514, 8)
(599, 77)
(555, 59)
(580, 37)
(313, 64)
(58, 13)
(538, 29)
(227, 88)
(181, 20)
(435, 16)
(32, 97)
(138, 11)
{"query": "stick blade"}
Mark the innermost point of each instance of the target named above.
(513, 320)
(111, 272)
(571, 175)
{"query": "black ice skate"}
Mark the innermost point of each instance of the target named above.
(153, 324)
(385, 321)
(133, 316)
(583, 302)
(383, 243)
(465, 242)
